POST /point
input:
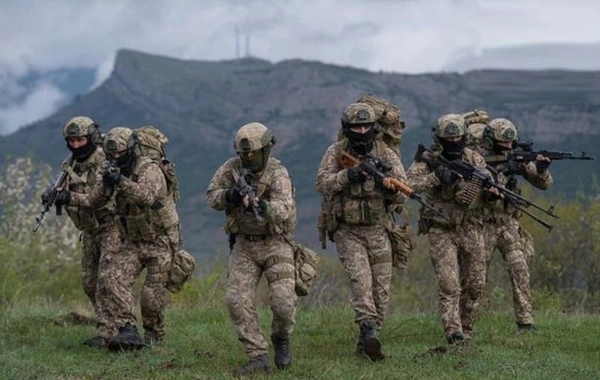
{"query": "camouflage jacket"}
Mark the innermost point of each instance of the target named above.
(144, 207)
(448, 199)
(361, 204)
(82, 178)
(273, 185)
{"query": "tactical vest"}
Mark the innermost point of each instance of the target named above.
(447, 199)
(82, 177)
(146, 223)
(362, 203)
(242, 221)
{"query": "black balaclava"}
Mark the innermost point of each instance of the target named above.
(452, 150)
(83, 152)
(361, 143)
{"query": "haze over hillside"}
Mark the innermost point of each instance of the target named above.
(528, 57)
(200, 105)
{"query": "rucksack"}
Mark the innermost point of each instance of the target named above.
(150, 142)
(388, 120)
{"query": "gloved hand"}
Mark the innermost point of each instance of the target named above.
(233, 196)
(513, 167)
(542, 165)
(48, 194)
(356, 175)
(446, 176)
(63, 198)
(263, 207)
(112, 178)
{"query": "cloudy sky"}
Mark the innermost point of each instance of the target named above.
(410, 36)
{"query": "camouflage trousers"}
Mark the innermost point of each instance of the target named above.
(504, 235)
(248, 261)
(366, 254)
(115, 294)
(103, 241)
(459, 259)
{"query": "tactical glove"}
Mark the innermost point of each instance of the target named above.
(233, 196)
(263, 207)
(63, 198)
(356, 175)
(112, 178)
(542, 166)
(445, 175)
(48, 194)
(513, 167)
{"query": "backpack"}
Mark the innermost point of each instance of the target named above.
(388, 123)
(150, 142)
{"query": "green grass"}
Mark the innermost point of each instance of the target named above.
(201, 344)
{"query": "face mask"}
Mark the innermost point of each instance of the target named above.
(257, 161)
(452, 150)
(498, 149)
(83, 152)
(124, 161)
(361, 143)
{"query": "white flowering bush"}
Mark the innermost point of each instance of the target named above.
(44, 263)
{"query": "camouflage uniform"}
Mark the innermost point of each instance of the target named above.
(261, 243)
(456, 246)
(100, 237)
(503, 229)
(359, 214)
(147, 218)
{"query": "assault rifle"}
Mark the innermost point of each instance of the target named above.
(470, 173)
(247, 189)
(107, 167)
(377, 169)
(58, 183)
(525, 153)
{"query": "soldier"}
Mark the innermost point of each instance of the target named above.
(503, 229)
(360, 207)
(456, 246)
(255, 191)
(100, 237)
(145, 210)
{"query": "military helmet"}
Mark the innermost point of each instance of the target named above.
(357, 114)
(117, 140)
(253, 136)
(450, 125)
(82, 126)
(502, 130)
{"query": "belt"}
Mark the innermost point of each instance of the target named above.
(255, 237)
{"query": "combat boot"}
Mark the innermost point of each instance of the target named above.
(369, 337)
(127, 339)
(455, 337)
(283, 352)
(96, 342)
(256, 365)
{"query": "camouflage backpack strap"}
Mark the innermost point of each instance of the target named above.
(267, 175)
(67, 166)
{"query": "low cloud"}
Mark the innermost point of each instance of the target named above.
(407, 36)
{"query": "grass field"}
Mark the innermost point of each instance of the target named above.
(43, 342)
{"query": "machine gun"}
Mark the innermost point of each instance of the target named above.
(484, 181)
